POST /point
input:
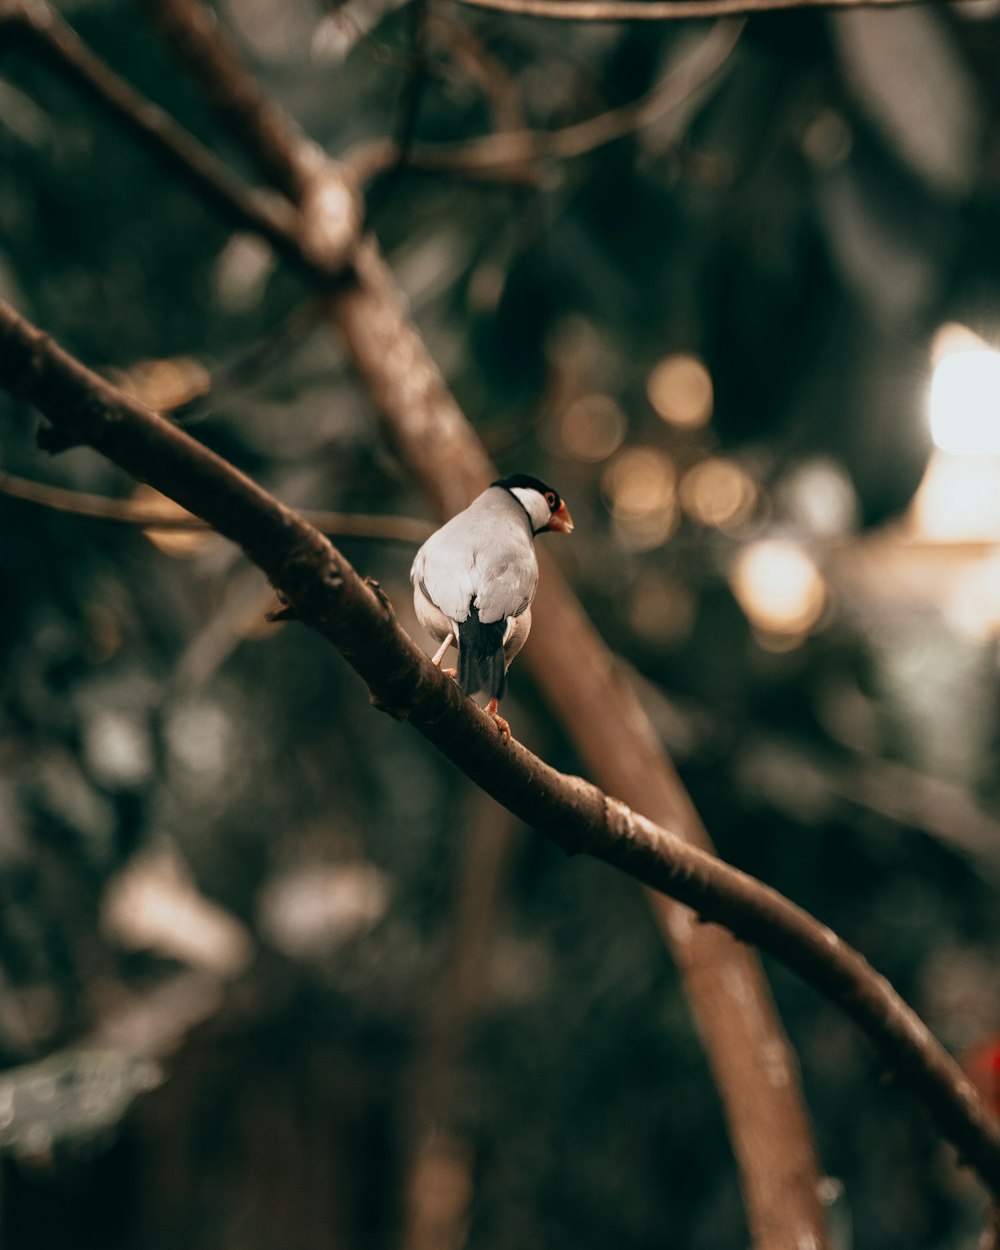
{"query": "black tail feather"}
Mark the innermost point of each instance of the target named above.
(481, 664)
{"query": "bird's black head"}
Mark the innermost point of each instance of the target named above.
(526, 482)
(558, 518)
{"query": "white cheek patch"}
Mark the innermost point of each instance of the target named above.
(534, 504)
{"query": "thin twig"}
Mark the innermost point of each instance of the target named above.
(667, 10)
(156, 516)
(330, 596)
(467, 50)
(409, 109)
(518, 149)
(251, 362)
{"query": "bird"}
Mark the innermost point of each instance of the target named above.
(475, 577)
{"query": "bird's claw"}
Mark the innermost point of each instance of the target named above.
(501, 723)
(451, 672)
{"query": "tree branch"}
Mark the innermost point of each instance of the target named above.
(286, 157)
(518, 150)
(41, 30)
(330, 596)
(410, 100)
(666, 10)
(439, 1149)
(153, 516)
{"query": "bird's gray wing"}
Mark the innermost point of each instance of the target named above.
(508, 578)
(485, 556)
(443, 569)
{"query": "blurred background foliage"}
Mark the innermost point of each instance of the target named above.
(255, 941)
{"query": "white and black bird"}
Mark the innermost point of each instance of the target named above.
(475, 577)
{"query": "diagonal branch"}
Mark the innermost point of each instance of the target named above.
(287, 158)
(330, 596)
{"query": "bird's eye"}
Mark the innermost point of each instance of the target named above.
(552, 499)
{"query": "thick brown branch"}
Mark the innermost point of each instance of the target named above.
(287, 159)
(332, 598)
(149, 515)
(665, 10)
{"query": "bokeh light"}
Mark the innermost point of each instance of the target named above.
(779, 587)
(964, 400)
(680, 389)
(973, 602)
(718, 492)
(153, 904)
(958, 499)
(640, 485)
(242, 271)
(164, 384)
(179, 543)
(310, 909)
(827, 139)
(819, 498)
(592, 427)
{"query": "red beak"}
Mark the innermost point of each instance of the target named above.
(561, 521)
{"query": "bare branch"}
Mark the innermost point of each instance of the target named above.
(330, 596)
(667, 10)
(409, 111)
(677, 87)
(518, 151)
(440, 1156)
(286, 157)
(467, 50)
(153, 516)
(36, 25)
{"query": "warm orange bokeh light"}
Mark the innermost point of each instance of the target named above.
(779, 587)
(680, 389)
(164, 384)
(592, 427)
(718, 492)
(180, 543)
(640, 487)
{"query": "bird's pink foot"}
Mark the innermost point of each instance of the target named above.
(451, 672)
(502, 725)
(442, 651)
